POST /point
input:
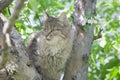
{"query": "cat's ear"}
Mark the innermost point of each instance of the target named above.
(45, 16)
(63, 17)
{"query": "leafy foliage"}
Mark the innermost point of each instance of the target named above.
(105, 54)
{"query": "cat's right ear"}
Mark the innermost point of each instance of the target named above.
(45, 16)
(63, 18)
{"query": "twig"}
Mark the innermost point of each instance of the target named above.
(99, 35)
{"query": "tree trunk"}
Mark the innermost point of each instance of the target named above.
(77, 65)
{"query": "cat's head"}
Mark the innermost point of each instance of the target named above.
(56, 26)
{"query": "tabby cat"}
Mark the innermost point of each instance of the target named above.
(50, 47)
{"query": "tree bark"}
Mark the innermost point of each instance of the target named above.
(77, 65)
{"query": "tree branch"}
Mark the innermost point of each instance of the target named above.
(17, 57)
(4, 4)
(9, 24)
(77, 65)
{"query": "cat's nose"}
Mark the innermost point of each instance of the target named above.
(48, 37)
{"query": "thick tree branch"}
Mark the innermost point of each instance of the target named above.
(4, 4)
(77, 66)
(17, 57)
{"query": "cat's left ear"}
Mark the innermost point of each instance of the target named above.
(63, 17)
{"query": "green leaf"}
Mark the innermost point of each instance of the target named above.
(113, 73)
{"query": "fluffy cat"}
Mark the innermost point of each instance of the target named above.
(50, 47)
